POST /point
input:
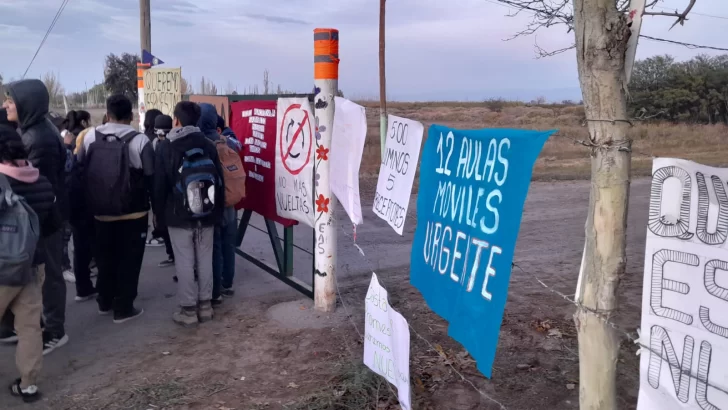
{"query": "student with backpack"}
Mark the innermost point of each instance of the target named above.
(223, 263)
(189, 187)
(162, 127)
(117, 169)
(31, 212)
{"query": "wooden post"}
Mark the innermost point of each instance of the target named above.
(382, 78)
(145, 38)
(601, 42)
(326, 83)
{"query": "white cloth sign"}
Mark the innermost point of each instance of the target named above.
(347, 147)
(162, 89)
(294, 160)
(387, 341)
(397, 173)
(684, 332)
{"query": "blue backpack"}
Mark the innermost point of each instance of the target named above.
(194, 189)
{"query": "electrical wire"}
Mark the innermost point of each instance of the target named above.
(64, 3)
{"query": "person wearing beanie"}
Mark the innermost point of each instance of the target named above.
(160, 234)
(21, 291)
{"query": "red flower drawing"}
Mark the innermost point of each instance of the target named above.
(322, 153)
(322, 204)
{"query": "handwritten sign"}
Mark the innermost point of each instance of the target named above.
(387, 341)
(684, 329)
(347, 147)
(254, 123)
(472, 188)
(162, 89)
(397, 172)
(294, 160)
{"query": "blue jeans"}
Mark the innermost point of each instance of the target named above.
(223, 252)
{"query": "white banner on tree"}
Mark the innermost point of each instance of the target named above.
(294, 160)
(387, 341)
(684, 332)
(347, 147)
(397, 173)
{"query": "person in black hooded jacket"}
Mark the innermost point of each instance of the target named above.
(26, 102)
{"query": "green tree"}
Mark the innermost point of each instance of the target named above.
(120, 75)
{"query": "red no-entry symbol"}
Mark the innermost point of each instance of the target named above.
(296, 125)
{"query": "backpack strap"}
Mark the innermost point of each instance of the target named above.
(7, 191)
(129, 136)
(194, 151)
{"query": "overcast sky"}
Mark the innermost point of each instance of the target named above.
(434, 51)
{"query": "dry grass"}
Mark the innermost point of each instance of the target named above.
(561, 158)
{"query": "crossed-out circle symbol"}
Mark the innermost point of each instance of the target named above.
(290, 126)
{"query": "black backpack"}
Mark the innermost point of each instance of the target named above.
(195, 183)
(107, 174)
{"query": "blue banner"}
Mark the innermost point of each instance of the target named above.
(473, 184)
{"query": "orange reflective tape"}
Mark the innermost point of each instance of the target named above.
(326, 54)
(140, 84)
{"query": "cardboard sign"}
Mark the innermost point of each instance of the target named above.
(347, 147)
(398, 170)
(162, 89)
(472, 188)
(387, 341)
(254, 123)
(221, 103)
(294, 160)
(684, 329)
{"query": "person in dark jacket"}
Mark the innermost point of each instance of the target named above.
(162, 127)
(192, 240)
(223, 260)
(120, 238)
(26, 300)
(27, 103)
(149, 119)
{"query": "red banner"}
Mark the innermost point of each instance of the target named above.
(254, 123)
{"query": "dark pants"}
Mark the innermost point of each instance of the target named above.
(54, 287)
(160, 231)
(120, 246)
(223, 252)
(83, 251)
(66, 261)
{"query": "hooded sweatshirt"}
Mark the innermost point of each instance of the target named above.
(208, 121)
(41, 138)
(168, 157)
(26, 181)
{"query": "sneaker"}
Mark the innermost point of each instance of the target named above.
(29, 394)
(186, 317)
(227, 292)
(69, 276)
(205, 312)
(122, 318)
(8, 336)
(216, 302)
(155, 242)
(167, 263)
(86, 297)
(104, 310)
(52, 342)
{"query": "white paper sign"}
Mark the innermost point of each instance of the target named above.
(636, 9)
(387, 341)
(294, 160)
(347, 147)
(398, 169)
(685, 293)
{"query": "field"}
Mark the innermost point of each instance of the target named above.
(268, 350)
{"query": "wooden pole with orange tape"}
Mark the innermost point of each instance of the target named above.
(326, 86)
(145, 39)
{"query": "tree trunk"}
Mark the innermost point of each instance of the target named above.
(601, 42)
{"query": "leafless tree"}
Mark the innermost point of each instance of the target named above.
(601, 33)
(186, 87)
(55, 89)
(266, 81)
(229, 88)
(207, 87)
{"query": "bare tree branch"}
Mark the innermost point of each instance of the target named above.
(681, 17)
(541, 52)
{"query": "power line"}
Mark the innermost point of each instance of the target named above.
(64, 3)
(693, 13)
(688, 45)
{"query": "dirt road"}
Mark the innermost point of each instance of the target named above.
(268, 349)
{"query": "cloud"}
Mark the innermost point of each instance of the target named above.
(435, 49)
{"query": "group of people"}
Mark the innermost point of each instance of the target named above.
(97, 185)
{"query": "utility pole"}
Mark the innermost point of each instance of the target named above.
(145, 36)
(382, 78)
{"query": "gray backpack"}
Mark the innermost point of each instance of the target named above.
(19, 234)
